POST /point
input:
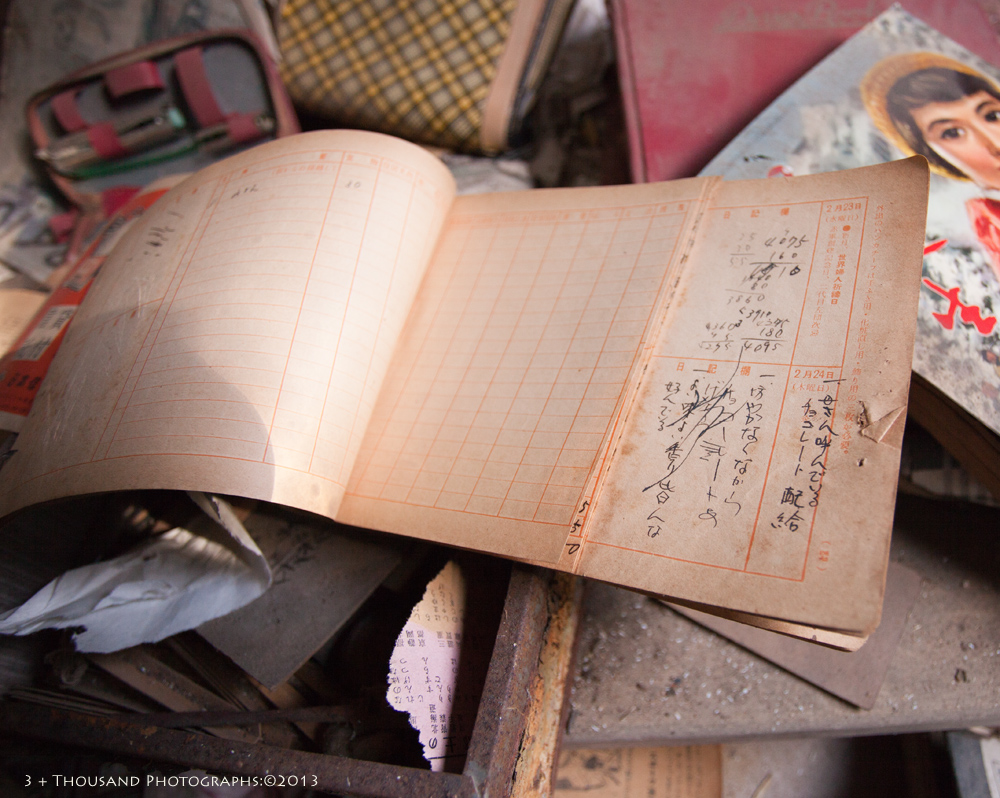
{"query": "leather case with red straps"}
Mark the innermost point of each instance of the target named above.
(169, 107)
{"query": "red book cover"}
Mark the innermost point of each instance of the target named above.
(693, 75)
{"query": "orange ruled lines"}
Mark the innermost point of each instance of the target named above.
(774, 539)
(713, 566)
(261, 347)
(520, 351)
(281, 268)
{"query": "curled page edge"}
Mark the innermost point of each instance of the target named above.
(220, 511)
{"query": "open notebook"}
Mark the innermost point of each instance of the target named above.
(695, 389)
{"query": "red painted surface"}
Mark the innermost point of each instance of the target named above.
(694, 74)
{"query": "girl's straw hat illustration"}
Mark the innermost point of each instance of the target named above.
(895, 122)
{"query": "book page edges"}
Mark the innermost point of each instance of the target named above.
(499, 106)
(840, 640)
(506, 537)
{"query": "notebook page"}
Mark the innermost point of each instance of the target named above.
(237, 337)
(515, 361)
(761, 458)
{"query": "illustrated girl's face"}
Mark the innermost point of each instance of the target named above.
(966, 133)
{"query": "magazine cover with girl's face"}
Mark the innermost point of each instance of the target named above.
(895, 89)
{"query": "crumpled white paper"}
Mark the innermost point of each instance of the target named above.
(173, 583)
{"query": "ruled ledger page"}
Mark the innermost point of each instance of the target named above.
(237, 337)
(515, 366)
(758, 467)
(695, 389)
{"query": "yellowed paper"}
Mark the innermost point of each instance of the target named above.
(671, 387)
(827, 637)
(534, 322)
(668, 772)
(17, 306)
(236, 338)
(990, 749)
(742, 479)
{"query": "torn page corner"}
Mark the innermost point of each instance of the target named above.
(423, 672)
(879, 430)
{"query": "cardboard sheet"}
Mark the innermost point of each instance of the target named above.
(855, 676)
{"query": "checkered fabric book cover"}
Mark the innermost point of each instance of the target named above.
(420, 69)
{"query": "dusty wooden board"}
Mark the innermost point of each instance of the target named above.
(318, 566)
(536, 762)
(855, 676)
(646, 675)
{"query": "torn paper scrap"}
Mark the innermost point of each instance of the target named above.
(170, 584)
(424, 668)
